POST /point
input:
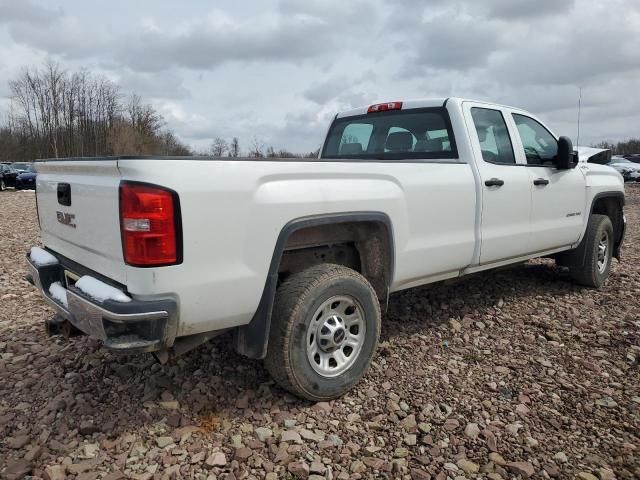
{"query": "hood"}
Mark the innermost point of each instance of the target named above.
(594, 155)
(27, 175)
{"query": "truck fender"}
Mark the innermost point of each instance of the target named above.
(577, 255)
(251, 339)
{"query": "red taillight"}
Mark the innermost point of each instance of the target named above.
(149, 225)
(384, 107)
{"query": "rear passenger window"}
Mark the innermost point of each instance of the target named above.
(493, 136)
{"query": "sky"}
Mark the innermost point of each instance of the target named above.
(279, 70)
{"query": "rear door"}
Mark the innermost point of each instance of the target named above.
(78, 208)
(558, 197)
(505, 185)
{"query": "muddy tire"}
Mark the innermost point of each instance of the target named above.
(324, 332)
(598, 248)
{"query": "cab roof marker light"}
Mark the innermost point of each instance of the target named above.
(384, 107)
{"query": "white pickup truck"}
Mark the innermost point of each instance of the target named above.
(297, 256)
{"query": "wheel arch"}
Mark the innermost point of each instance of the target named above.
(605, 203)
(611, 204)
(251, 339)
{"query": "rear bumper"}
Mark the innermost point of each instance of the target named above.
(136, 326)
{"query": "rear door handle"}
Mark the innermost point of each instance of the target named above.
(494, 182)
(541, 181)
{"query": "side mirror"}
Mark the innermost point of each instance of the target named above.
(565, 159)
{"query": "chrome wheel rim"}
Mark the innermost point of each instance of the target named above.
(603, 252)
(335, 335)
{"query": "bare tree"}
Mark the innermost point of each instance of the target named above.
(219, 147)
(621, 148)
(257, 148)
(283, 153)
(53, 113)
(234, 147)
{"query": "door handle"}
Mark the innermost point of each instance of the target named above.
(541, 181)
(494, 182)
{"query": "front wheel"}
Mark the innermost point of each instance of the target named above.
(598, 249)
(3, 186)
(324, 333)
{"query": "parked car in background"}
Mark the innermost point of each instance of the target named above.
(7, 176)
(21, 167)
(634, 157)
(629, 170)
(26, 180)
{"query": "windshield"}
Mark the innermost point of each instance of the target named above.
(620, 160)
(392, 135)
(20, 166)
(29, 169)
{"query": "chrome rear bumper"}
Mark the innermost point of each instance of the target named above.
(136, 326)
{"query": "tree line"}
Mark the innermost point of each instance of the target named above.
(221, 148)
(55, 113)
(621, 148)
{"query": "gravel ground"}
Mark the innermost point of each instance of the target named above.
(512, 373)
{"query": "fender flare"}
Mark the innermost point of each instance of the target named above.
(251, 340)
(577, 255)
(621, 199)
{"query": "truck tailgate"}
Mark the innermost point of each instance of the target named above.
(78, 209)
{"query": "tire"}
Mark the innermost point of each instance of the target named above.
(3, 186)
(595, 269)
(311, 310)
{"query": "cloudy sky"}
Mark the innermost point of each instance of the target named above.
(279, 69)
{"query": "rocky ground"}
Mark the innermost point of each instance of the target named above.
(510, 374)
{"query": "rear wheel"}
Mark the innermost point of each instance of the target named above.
(598, 250)
(325, 330)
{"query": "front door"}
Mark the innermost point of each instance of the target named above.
(504, 185)
(558, 197)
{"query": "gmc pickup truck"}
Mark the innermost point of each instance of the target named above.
(297, 257)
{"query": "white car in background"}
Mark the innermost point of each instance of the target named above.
(629, 170)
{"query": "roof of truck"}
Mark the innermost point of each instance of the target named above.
(421, 103)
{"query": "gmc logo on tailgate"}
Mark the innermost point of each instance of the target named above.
(66, 219)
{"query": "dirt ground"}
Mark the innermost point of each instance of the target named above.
(511, 373)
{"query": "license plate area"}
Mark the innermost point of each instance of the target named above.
(70, 278)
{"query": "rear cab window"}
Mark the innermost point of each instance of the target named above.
(421, 133)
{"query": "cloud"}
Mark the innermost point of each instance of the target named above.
(457, 42)
(329, 89)
(527, 9)
(279, 70)
(26, 12)
(166, 85)
(292, 33)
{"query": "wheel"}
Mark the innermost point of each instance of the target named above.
(324, 332)
(3, 186)
(598, 249)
